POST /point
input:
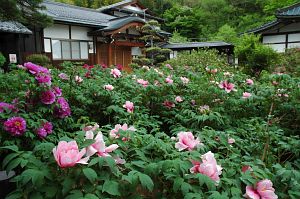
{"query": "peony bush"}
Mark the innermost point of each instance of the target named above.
(199, 129)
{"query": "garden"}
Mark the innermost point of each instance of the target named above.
(192, 127)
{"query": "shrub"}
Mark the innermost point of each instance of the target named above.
(39, 59)
(255, 56)
(2, 59)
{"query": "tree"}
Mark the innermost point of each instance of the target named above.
(24, 11)
(226, 33)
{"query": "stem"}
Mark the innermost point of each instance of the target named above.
(266, 148)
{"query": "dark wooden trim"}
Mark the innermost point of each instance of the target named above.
(127, 43)
(279, 33)
(139, 24)
(70, 32)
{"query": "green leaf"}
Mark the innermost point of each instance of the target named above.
(8, 158)
(36, 195)
(12, 147)
(177, 184)
(146, 181)
(90, 196)
(87, 143)
(111, 187)
(13, 164)
(50, 191)
(185, 187)
(90, 174)
(15, 195)
(67, 185)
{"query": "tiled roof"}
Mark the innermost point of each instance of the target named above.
(121, 3)
(74, 14)
(195, 45)
(13, 27)
(264, 27)
(291, 11)
(119, 22)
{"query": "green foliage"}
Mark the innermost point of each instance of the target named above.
(226, 33)
(39, 59)
(255, 56)
(2, 59)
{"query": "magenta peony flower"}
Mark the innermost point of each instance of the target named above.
(63, 76)
(16, 126)
(4, 106)
(178, 99)
(57, 91)
(249, 81)
(62, 109)
(264, 190)
(43, 78)
(169, 80)
(41, 132)
(48, 127)
(116, 73)
(114, 133)
(47, 97)
(184, 80)
(129, 106)
(35, 69)
(246, 95)
(104, 66)
(119, 67)
(67, 154)
(168, 104)
(108, 87)
(207, 167)
(99, 145)
(228, 87)
(142, 82)
(186, 141)
(246, 168)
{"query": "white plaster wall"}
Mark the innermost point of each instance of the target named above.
(80, 33)
(274, 39)
(58, 31)
(294, 37)
(294, 45)
(278, 47)
(290, 27)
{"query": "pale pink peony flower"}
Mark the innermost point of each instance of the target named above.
(78, 79)
(169, 80)
(91, 128)
(204, 109)
(169, 104)
(99, 145)
(169, 66)
(186, 141)
(249, 81)
(230, 141)
(63, 76)
(119, 160)
(108, 87)
(67, 154)
(264, 190)
(142, 82)
(208, 167)
(178, 99)
(184, 80)
(116, 73)
(114, 133)
(129, 106)
(212, 71)
(246, 95)
(16, 126)
(228, 87)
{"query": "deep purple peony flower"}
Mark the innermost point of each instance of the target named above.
(43, 78)
(62, 109)
(4, 106)
(48, 97)
(57, 91)
(16, 126)
(41, 132)
(48, 127)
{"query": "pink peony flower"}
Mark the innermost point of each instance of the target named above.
(264, 190)
(62, 109)
(212, 71)
(78, 79)
(184, 80)
(47, 97)
(116, 73)
(186, 141)
(142, 82)
(91, 128)
(169, 66)
(108, 87)
(99, 145)
(129, 106)
(57, 91)
(246, 168)
(119, 67)
(178, 99)
(230, 141)
(119, 160)
(169, 104)
(228, 87)
(43, 78)
(207, 167)
(67, 154)
(104, 66)
(35, 69)
(16, 126)
(169, 80)
(41, 132)
(7, 106)
(63, 76)
(114, 133)
(249, 81)
(246, 95)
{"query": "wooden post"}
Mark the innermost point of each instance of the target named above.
(109, 63)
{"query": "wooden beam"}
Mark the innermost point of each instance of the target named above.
(128, 43)
(109, 57)
(133, 24)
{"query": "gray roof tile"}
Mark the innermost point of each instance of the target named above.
(74, 14)
(195, 45)
(13, 27)
(291, 11)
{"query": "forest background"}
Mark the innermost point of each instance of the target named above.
(205, 20)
